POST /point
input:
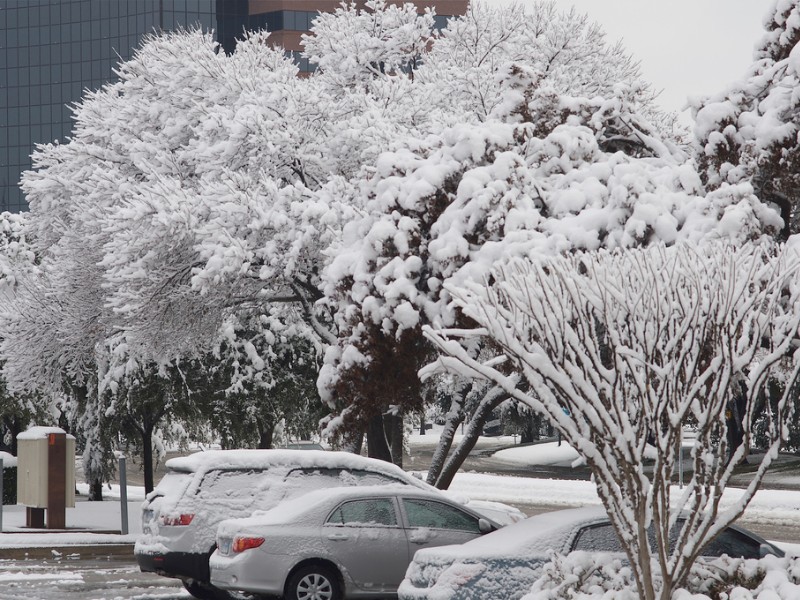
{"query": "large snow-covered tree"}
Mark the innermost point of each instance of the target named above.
(748, 133)
(549, 173)
(620, 349)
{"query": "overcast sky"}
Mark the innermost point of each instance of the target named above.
(686, 47)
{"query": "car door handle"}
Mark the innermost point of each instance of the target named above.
(338, 537)
(418, 539)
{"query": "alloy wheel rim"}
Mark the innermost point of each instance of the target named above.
(314, 587)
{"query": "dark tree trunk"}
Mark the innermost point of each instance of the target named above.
(422, 425)
(265, 437)
(490, 401)
(530, 429)
(149, 423)
(96, 491)
(353, 442)
(377, 446)
(735, 414)
(394, 426)
(147, 459)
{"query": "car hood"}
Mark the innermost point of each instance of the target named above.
(534, 536)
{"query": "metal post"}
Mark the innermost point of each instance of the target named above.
(123, 495)
(2, 475)
(680, 458)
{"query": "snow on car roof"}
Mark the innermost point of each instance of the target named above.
(531, 537)
(294, 509)
(308, 459)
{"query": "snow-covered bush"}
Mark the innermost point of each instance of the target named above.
(619, 349)
(584, 576)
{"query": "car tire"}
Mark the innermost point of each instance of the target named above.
(206, 591)
(314, 582)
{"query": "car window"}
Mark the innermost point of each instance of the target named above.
(597, 538)
(231, 484)
(734, 544)
(372, 512)
(429, 513)
(173, 484)
(316, 478)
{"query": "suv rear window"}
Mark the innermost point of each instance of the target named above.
(230, 484)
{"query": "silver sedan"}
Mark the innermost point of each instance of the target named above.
(339, 543)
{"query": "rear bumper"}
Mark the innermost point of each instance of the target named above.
(182, 565)
(251, 571)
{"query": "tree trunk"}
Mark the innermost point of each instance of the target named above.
(735, 415)
(96, 491)
(530, 429)
(353, 442)
(265, 437)
(394, 424)
(454, 418)
(147, 459)
(490, 401)
(422, 426)
(377, 447)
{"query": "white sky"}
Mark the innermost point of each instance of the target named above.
(686, 47)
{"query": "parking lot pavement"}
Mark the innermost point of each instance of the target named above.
(79, 577)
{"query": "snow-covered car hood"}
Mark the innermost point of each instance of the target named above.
(502, 564)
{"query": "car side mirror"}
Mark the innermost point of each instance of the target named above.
(484, 526)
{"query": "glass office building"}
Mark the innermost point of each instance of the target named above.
(53, 50)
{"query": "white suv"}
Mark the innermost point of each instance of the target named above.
(180, 516)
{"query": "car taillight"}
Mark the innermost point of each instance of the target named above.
(177, 521)
(240, 544)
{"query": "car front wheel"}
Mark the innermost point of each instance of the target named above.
(313, 583)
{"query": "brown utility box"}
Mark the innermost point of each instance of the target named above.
(46, 475)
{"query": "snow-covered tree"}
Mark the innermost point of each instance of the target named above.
(17, 260)
(160, 166)
(567, 50)
(747, 135)
(355, 45)
(621, 348)
(261, 381)
(548, 174)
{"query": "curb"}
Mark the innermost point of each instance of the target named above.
(76, 552)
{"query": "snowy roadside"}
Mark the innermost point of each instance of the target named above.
(88, 523)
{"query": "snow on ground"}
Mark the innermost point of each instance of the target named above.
(548, 454)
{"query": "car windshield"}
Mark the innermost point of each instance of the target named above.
(602, 538)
